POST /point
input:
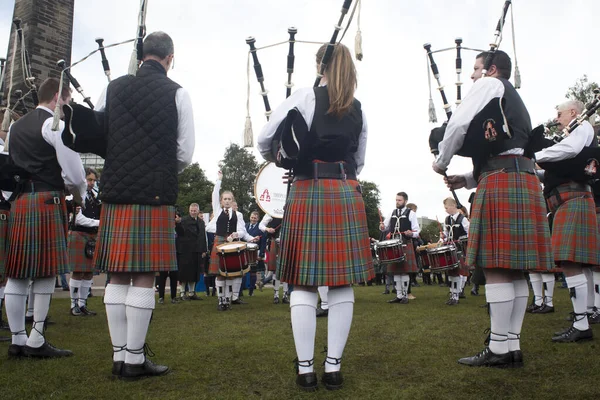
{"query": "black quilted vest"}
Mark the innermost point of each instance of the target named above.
(141, 154)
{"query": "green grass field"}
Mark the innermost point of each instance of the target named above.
(394, 352)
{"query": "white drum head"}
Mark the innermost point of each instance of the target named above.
(270, 191)
(231, 247)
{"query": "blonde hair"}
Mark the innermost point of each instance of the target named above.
(450, 202)
(341, 79)
(228, 192)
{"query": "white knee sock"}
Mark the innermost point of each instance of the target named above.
(220, 288)
(276, 283)
(114, 300)
(597, 290)
(590, 290)
(518, 314)
(536, 284)
(323, 291)
(139, 305)
(30, 301)
(454, 286)
(578, 285)
(549, 282)
(15, 295)
(341, 307)
(86, 286)
(405, 282)
(398, 285)
(228, 289)
(237, 284)
(463, 282)
(286, 288)
(42, 289)
(500, 297)
(75, 288)
(303, 310)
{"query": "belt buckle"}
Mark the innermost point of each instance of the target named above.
(3, 217)
(56, 200)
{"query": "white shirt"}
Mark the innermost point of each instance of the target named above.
(482, 92)
(465, 224)
(264, 222)
(186, 137)
(304, 100)
(82, 220)
(569, 147)
(412, 217)
(217, 210)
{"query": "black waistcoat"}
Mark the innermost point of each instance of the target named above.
(226, 226)
(458, 231)
(404, 222)
(92, 211)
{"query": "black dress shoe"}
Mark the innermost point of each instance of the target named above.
(333, 380)
(87, 312)
(275, 300)
(307, 382)
(573, 335)
(386, 292)
(46, 351)
(132, 372)
(403, 300)
(195, 297)
(452, 302)
(517, 359)
(474, 293)
(238, 301)
(488, 359)
(286, 300)
(15, 351)
(117, 367)
(532, 307)
(544, 309)
(461, 295)
(322, 313)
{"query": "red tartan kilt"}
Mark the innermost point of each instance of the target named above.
(37, 236)
(409, 265)
(136, 238)
(213, 267)
(4, 215)
(76, 245)
(272, 256)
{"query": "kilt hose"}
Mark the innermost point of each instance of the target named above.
(136, 238)
(575, 226)
(4, 215)
(37, 236)
(409, 265)
(508, 227)
(213, 267)
(324, 239)
(76, 244)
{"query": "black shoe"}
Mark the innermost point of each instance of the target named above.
(195, 297)
(452, 302)
(594, 318)
(161, 300)
(461, 295)
(488, 359)
(87, 312)
(544, 309)
(474, 292)
(532, 307)
(174, 301)
(132, 372)
(517, 359)
(46, 351)
(573, 335)
(403, 300)
(238, 301)
(275, 300)
(222, 307)
(76, 311)
(286, 300)
(322, 313)
(307, 382)
(333, 380)
(386, 292)
(117, 368)
(15, 351)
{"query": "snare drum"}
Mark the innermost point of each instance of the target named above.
(443, 258)
(390, 251)
(233, 259)
(252, 254)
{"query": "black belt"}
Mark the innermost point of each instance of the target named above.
(509, 164)
(37, 187)
(569, 186)
(327, 171)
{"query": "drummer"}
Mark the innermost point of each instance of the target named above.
(271, 226)
(402, 223)
(456, 230)
(227, 225)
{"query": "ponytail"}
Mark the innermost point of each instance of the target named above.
(341, 79)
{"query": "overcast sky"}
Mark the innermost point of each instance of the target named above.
(553, 50)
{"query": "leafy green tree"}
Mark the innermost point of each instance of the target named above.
(239, 169)
(583, 90)
(194, 187)
(430, 232)
(370, 194)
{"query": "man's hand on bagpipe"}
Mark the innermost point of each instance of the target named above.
(455, 182)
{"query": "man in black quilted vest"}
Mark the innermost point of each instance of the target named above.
(150, 138)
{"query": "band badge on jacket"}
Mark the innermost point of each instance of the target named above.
(490, 133)
(592, 167)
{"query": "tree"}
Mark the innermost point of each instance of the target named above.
(430, 232)
(583, 90)
(194, 188)
(370, 194)
(239, 169)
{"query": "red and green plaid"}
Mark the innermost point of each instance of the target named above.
(508, 227)
(4, 215)
(136, 238)
(324, 235)
(272, 256)
(76, 244)
(213, 267)
(408, 266)
(37, 236)
(574, 227)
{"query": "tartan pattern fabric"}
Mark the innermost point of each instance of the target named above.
(272, 256)
(37, 236)
(76, 245)
(136, 238)
(213, 267)
(508, 227)
(575, 227)
(4, 215)
(324, 235)
(409, 265)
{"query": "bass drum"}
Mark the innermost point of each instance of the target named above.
(270, 191)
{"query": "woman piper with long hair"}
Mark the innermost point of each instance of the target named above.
(324, 235)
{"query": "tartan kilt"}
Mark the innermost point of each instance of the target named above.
(213, 267)
(409, 265)
(37, 236)
(508, 227)
(324, 235)
(136, 238)
(76, 244)
(4, 216)
(575, 226)
(272, 256)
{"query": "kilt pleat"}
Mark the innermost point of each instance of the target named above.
(136, 238)
(575, 227)
(4, 216)
(213, 267)
(408, 266)
(509, 228)
(76, 245)
(324, 238)
(37, 236)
